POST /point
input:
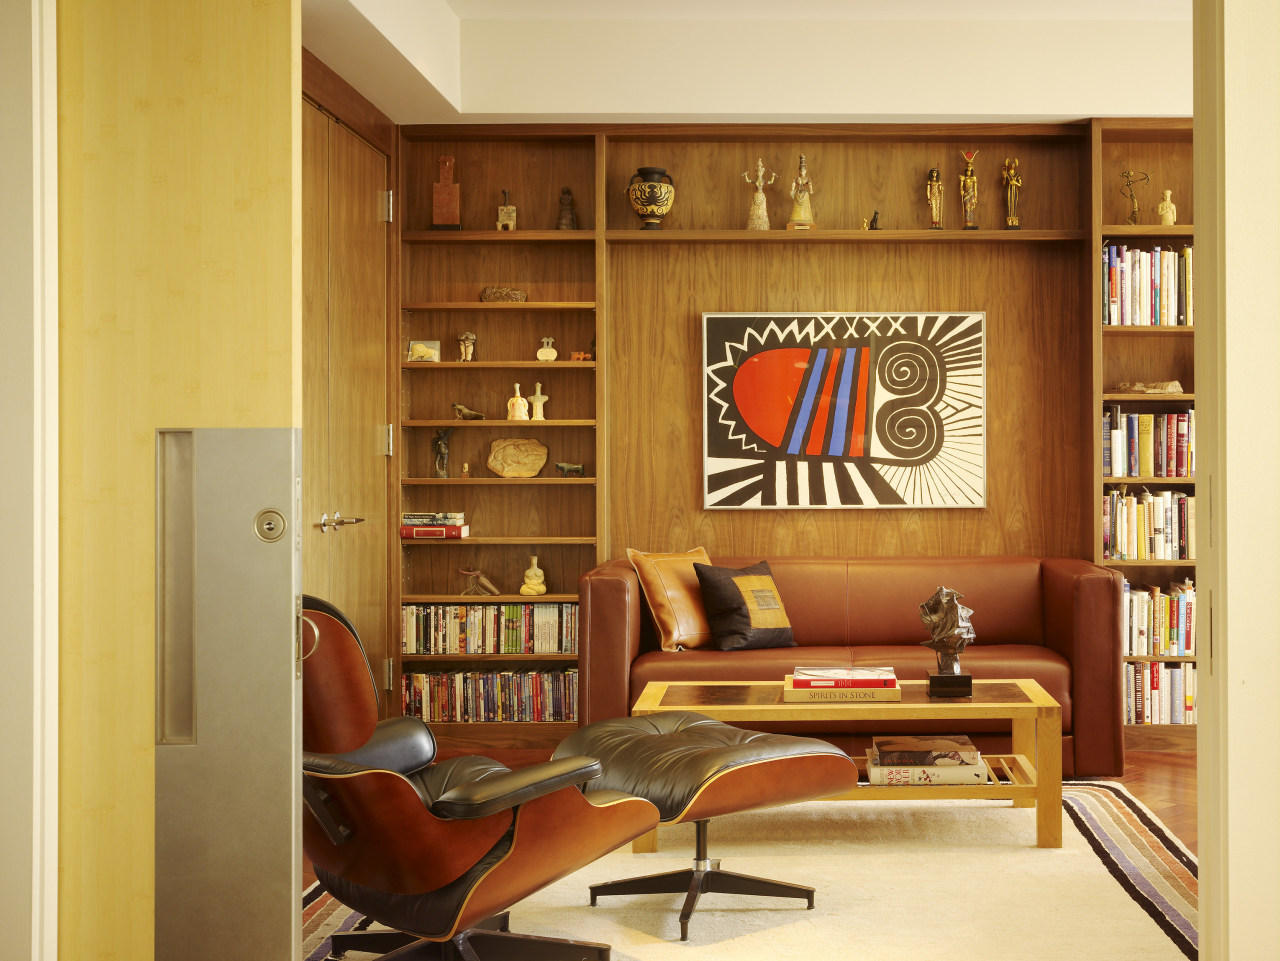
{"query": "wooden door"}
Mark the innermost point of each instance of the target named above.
(344, 392)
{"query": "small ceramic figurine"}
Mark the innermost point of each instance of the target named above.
(467, 345)
(547, 351)
(535, 582)
(1167, 210)
(517, 407)
(758, 215)
(1132, 178)
(537, 399)
(466, 469)
(933, 194)
(568, 216)
(801, 191)
(969, 191)
(506, 212)
(1012, 184)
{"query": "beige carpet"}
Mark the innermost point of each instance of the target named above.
(895, 880)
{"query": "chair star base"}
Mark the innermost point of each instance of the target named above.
(704, 877)
(491, 940)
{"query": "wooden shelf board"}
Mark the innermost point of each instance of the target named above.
(641, 236)
(463, 659)
(1159, 659)
(547, 541)
(499, 364)
(488, 599)
(1180, 738)
(1146, 129)
(505, 424)
(1110, 330)
(1154, 231)
(1149, 398)
(497, 236)
(500, 305)
(496, 481)
(1113, 481)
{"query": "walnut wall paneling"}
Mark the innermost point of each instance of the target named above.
(1033, 296)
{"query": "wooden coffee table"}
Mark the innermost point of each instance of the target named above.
(1031, 776)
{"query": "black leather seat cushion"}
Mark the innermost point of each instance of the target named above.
(666, 758)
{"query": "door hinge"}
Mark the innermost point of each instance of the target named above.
(388, 439)
(388, 666)
(386, 205)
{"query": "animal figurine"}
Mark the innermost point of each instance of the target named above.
(570, 470)
(461, 412)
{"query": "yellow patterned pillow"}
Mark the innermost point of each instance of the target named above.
(674, 597)
(744, 607)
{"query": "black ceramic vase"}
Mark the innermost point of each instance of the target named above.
(650, 197)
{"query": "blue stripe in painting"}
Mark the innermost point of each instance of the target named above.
(806, 405)
(840, 416)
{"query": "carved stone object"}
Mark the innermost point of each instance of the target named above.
(1167, 210)
(535, 582)
(568, 216)
(444, 198)
(548, 351)
(503, 295)
(536, 402)
(516, 457)
(950, 632)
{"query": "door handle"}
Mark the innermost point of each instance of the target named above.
(337, 521)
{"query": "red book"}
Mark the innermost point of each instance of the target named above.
(818, 677)
(417, 532)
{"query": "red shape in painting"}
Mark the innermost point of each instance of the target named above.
(766, 387)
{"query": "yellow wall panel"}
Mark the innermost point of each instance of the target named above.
(179, 172)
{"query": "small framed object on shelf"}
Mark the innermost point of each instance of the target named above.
(424, 351)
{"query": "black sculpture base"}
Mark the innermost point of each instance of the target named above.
(950, 685)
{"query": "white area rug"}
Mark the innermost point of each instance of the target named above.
(896, 880)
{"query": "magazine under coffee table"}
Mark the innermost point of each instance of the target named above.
(1031, 776)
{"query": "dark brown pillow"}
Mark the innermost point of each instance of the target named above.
(743, 607)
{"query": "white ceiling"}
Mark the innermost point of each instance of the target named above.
(820, 10)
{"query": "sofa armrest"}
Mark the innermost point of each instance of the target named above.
(609, 612)
(1082, 623)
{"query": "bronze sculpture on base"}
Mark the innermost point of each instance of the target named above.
(1132, 178)
(801, 207)
(933, 194)
(969, 191)
(949, 633)
(1012, 185)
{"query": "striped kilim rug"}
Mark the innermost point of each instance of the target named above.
(945, 879)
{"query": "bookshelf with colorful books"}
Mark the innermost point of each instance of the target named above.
(1144, 321)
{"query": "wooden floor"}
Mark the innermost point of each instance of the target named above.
(1165, 781)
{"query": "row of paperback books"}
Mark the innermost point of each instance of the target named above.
(1160, 693)
(1158, 623)
(1148, 445)
(492, 695)
(1159, 526)
(841, 684)
(1148, 288)
(548, 628)
(910, 759)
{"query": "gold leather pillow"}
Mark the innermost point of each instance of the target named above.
(674, 596)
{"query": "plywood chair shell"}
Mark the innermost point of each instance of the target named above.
(769, 783)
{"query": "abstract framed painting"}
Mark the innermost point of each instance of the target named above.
(844, 410)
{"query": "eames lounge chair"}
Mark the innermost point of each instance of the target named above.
(437, 851)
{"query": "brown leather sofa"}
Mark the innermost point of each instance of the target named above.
(1056, 620)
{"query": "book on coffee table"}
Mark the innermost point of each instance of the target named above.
(843, 677)
(838, 694)
(924, 774)
(923, 750)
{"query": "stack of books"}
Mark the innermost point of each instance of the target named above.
(912, 759)
(437, 526)
(841, 684)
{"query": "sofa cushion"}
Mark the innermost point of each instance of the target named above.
(674, 597)
(743, 607)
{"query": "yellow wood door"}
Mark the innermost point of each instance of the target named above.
(344, 370)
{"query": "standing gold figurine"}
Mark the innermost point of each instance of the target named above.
(933, 193)
(969, 191)
(1012, 184)
(1132, 178)
(758, 216)
(801, 191)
